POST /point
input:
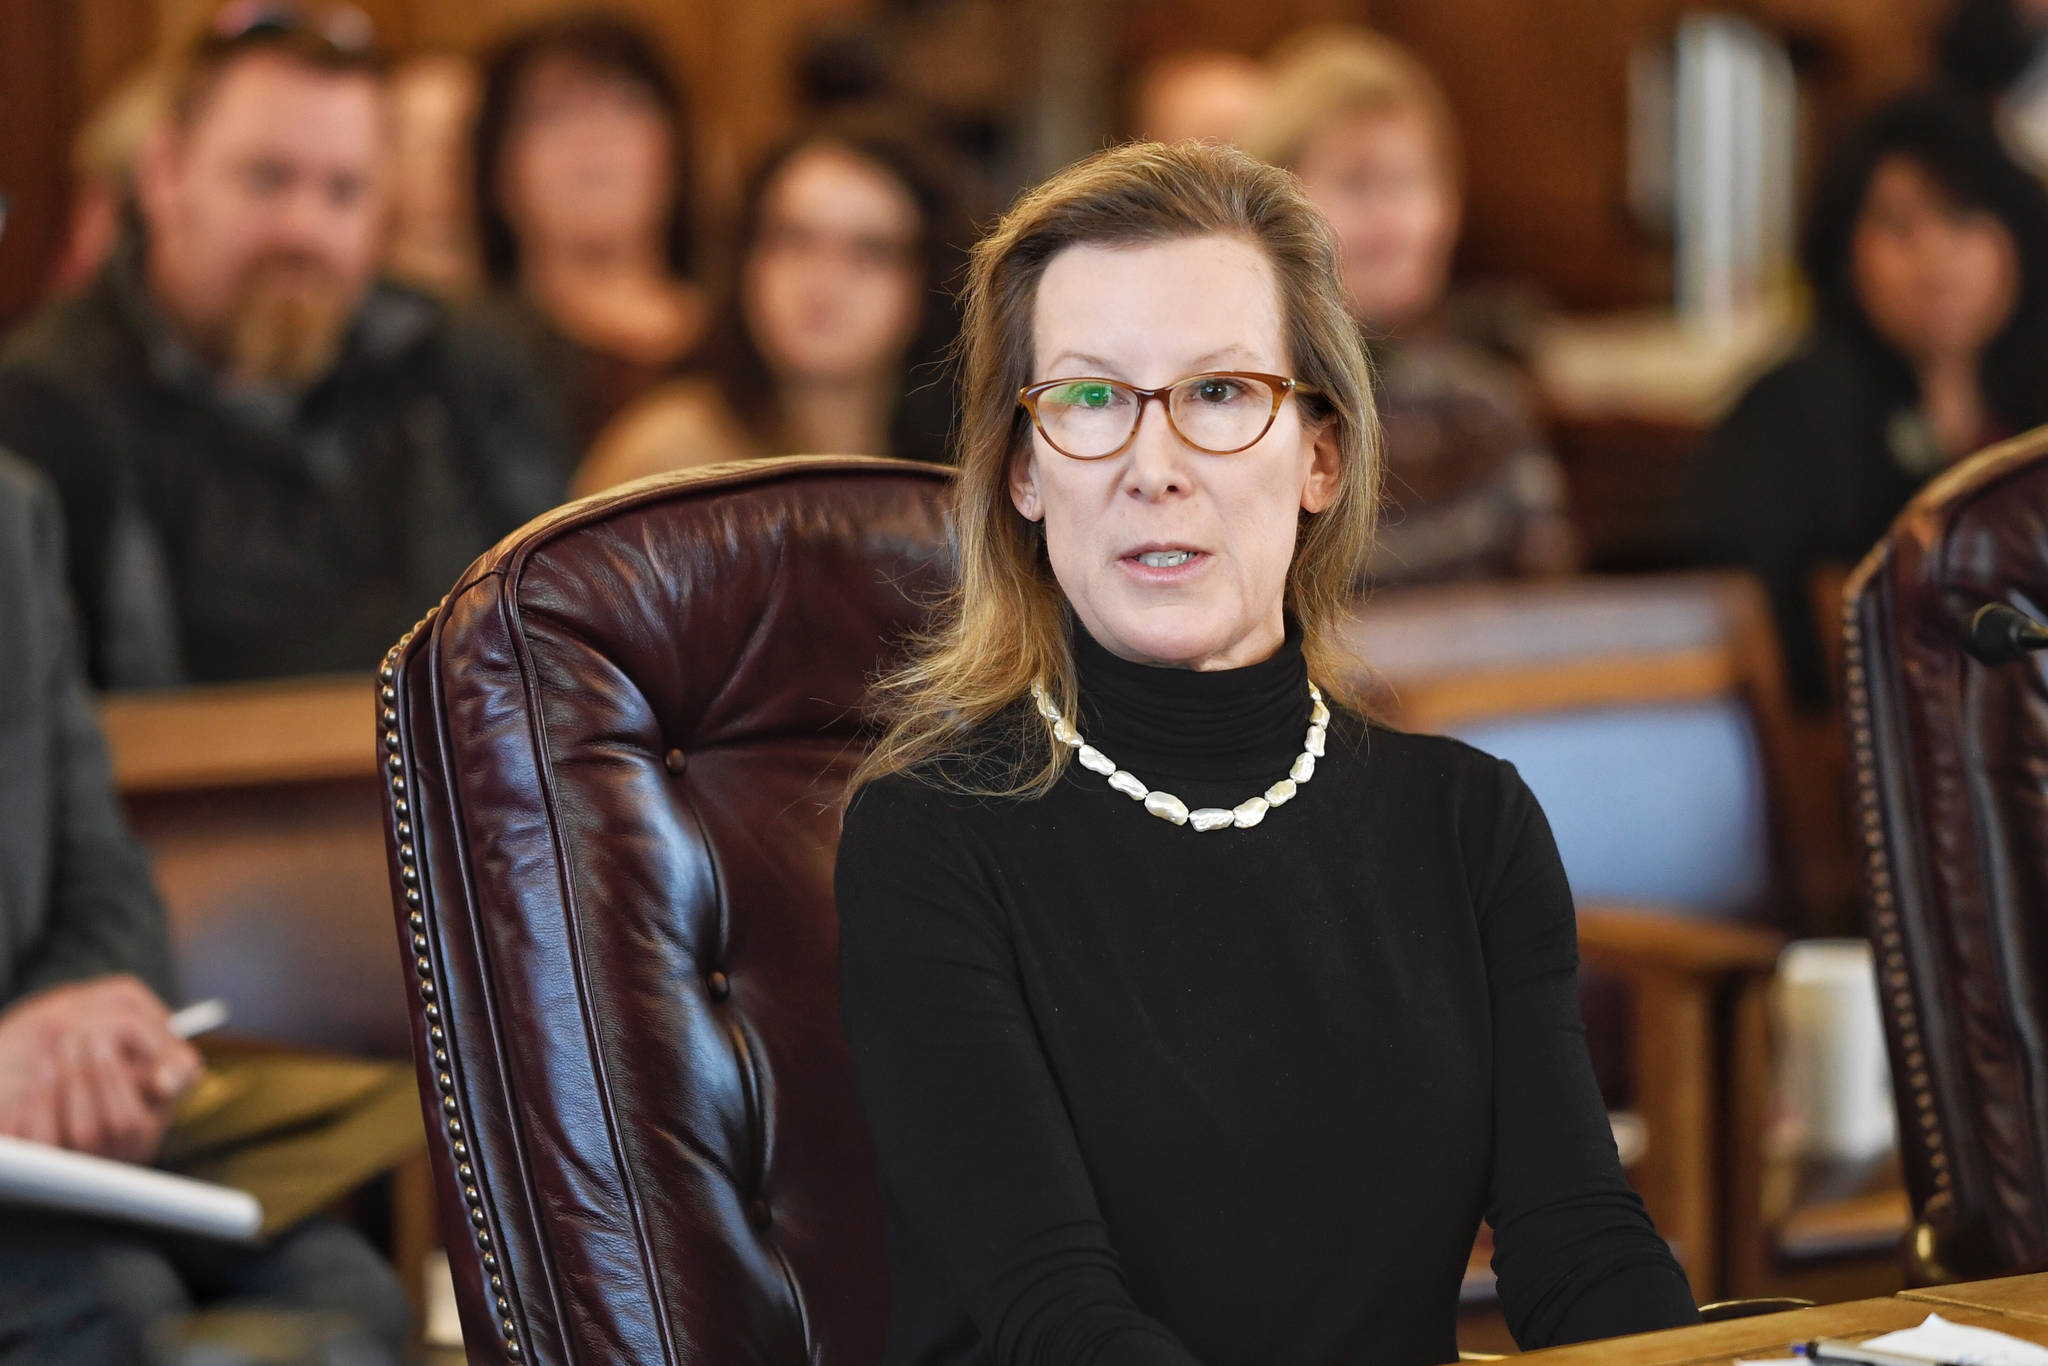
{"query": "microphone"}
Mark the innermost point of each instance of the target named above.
(1997, 634)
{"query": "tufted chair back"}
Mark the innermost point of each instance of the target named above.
(1951, 759)
(615, 754)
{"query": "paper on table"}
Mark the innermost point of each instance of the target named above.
(53, 1178)
(1939, 1340)
(1964, 1345)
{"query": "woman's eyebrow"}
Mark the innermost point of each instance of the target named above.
(1106, 368)
(1225, 353)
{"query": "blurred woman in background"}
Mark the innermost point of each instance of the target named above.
(1472, 490)
(839, 317)
(584, 183)
(1927, 250)
(433, 227)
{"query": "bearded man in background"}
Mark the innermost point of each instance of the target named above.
(269, 462)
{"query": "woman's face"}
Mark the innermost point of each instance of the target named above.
(589, 162)
(432, 102)
(1938, 281)
(1380, 178)
(1150, 315)
(833, 288)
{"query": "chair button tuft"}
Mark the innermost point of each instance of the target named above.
(719, 986)
(676, 761)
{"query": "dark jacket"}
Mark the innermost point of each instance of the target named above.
(75, 894)
(216, 536)
(1808, 472)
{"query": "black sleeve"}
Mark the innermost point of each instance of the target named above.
(977, 1156)
(1574, 1250)
(104, 913)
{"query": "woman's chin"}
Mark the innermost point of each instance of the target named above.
(1176, 639)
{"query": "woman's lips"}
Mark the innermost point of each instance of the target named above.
(1171, 564)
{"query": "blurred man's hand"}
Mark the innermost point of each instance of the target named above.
(94, 1067)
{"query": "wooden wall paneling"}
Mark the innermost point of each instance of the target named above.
(1541, 89)
(38, 103)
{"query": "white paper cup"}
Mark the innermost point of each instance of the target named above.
(1834, 1079)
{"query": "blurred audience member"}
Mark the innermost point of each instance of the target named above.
(433, 227)
(268, 464)
(1201, 96)
(1472, 490)
(88, 1060)
(584, 183)
(1927, 250)
(103, 176)
(833, 336)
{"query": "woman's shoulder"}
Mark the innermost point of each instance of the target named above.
(1825, 379)
(679, 425)
(1448, 795)
(952, 790)
(1431, 772)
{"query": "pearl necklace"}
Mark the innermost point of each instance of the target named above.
(1168, 807)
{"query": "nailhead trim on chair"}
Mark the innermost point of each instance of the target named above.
(423, 965)
(1884, 906)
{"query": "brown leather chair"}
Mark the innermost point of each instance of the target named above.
(615, 755)
(1949, 756)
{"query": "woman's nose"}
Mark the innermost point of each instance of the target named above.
(1158, 456)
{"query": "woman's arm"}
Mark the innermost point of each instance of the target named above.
(977, 1157)
(1574, 1251)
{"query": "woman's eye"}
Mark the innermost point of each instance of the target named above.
(1216, 390)
(1086, 395)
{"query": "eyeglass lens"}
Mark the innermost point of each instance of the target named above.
(1092, 418)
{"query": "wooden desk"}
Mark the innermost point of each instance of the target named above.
(2023, 1297)
(2017, 1305)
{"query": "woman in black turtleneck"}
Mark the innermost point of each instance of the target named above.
(1196, 1018)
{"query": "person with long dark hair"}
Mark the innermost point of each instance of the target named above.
(584, 188)
(1927, 250)
(832, 335)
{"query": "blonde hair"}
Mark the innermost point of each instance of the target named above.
(951, 711)
(1326, 73)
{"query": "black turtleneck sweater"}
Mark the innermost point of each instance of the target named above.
(1147, 1097)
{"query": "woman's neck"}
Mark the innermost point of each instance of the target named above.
(1246, 721)
(594, 261)
(616, 297)
(1953, 400)
(838, 416)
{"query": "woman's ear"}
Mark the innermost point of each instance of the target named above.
(1325, 469)
(1024, 484)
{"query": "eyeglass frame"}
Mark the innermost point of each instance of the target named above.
(1281, 385)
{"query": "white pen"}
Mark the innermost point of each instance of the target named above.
(199, 1017)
